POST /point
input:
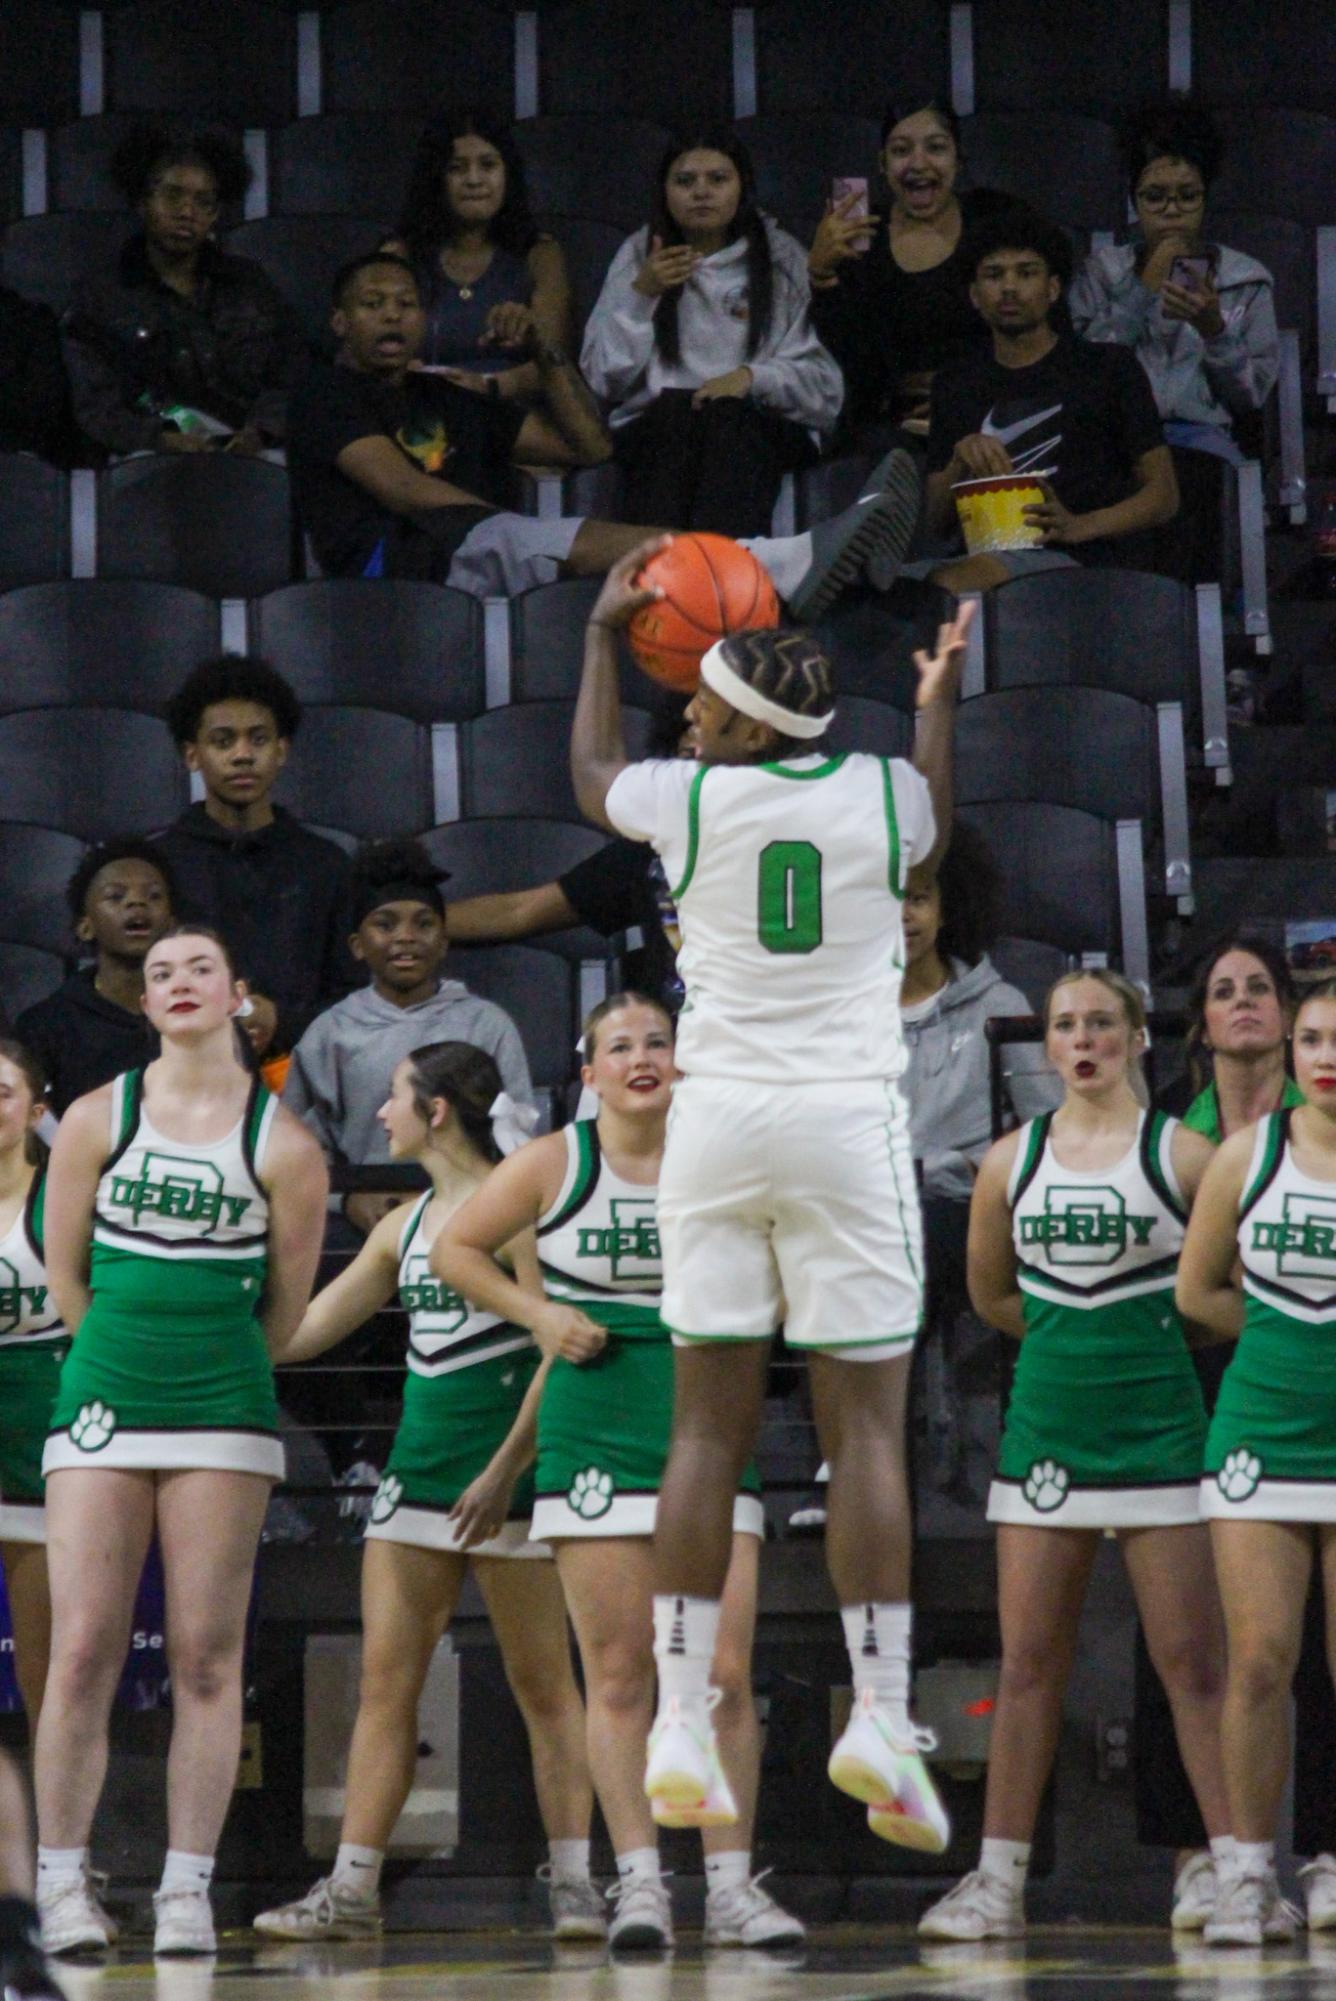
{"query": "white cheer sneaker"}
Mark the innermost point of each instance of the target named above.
(1319, 1880)
(183, 1922)
(73, 1919)
(978, 1908)
(327, 1910)
(1196, 1887)
(747, 1915)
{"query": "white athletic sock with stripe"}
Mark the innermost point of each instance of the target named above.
(357, 1870)
(685, 1631)
(788, 558)
(877, 1637)
(730, 1869)
(57, 1866)
(184, 1871)
(639, 1865)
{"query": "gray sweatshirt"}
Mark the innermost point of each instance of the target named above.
(1194, 381)
(341, 1068)
(946, 1082)
(792, 373)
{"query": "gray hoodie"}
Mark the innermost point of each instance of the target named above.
(946, 1082)
(341, 1068)
(792, 373)
(1194, 381)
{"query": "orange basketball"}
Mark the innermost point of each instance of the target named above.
(711, 586)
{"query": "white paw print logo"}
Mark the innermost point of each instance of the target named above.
(93, 1426)
(1238, 1477)
(1046, 1485)
(388, 1496)
(590, 1494)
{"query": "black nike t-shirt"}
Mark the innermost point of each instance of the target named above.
(1084, 415)
(447, 431)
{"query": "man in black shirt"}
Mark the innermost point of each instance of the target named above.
(1044, 402)
(399, 472)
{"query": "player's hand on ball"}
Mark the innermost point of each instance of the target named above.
(482, 1508)
(939, 672)
(621, 597)
(567, 1334)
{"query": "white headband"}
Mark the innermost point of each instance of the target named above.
(512, 1121)
(717, 674)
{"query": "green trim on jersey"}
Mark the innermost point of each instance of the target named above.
(1154, 1163)
(831, 764)
(1277, 1130)
(588, 1162)
(693, 834)
(892, 831)
(1025, 1168)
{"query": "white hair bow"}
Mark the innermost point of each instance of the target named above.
(513, 1121)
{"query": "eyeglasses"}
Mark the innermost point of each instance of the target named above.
(174, 197)
(1157, 198)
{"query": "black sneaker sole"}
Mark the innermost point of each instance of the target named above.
(874, 543)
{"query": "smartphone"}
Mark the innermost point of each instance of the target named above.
(845, 185)
(1191, 274)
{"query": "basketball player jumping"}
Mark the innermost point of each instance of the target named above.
(788, 1189)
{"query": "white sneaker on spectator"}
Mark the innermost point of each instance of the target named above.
(979, 1907)
(183, 1922)
(643, 1920)
(328, 1910)
(1319, 1880)
(1195, 1889)
(745, 1914)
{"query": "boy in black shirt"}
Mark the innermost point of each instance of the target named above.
(402, 473)
(1044, 401)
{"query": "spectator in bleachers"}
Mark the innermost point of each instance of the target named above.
(1200, 317)
(486, 273)
(891, 288)
(1076, 417)
(121, 899)
(35, 414)
(277, 892)
(337, 1079)
(702, 346)
(403, 474)
(179, 346)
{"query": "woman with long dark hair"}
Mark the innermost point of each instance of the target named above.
(701, 345)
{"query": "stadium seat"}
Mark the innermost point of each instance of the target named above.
(11, 174)
(796, 154)
(362, 770)
(39, 61)
(45, 255)
(809, 58)
(301, 253)
(547, 643)
(411, 648)
(1038, 55)
(589, 246)
(538, 991)
(1283, 161)
(1252, 53)
(346, 163)
(78, 164)
(1029, 965)
(35, 865)
(488, 857)
(861, 724)
(90, 771)
(27, 976)
(219, 524)
(1069, 879)
(34, 521)
(872, 640)
(567, 159)
(671, 64)
(1067, 165)
(401, 56)
(237, 62)
(101, 640)
(516, 760)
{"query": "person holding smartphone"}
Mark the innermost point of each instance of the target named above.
(1200, 317)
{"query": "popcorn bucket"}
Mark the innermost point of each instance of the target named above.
(991, 512)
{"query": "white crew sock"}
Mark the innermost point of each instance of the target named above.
(1255, 1858)
(729, 1870)
(184, 1871)
(788, 558)
(60, 1865)
(877, 1637)
(639, 1865)
(357, 1870)
(570, 1861)
(1223, 1848)
(685, 1631)
(1006, 1862)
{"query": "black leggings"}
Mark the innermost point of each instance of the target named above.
(717, 468)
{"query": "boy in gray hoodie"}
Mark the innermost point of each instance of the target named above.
(341, 1069)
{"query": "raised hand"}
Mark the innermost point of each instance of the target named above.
(666, 267)
(621, 596)
(939, 672)
(840, 235)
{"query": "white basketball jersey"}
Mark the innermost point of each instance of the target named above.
(788, 880)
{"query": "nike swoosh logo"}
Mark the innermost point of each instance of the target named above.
(1004, 433)
(1036, 457)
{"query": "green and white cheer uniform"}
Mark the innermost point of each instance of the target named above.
(468, 1372)
(33, 1342)
(169, 1368)
(604, 1426)
(1106, 1423)
(1271, 1452)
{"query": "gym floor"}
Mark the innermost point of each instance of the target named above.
(841, 1963)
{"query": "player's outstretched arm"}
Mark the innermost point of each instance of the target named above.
(935, 720)
(598, 746)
